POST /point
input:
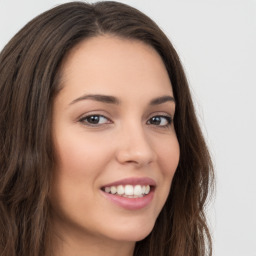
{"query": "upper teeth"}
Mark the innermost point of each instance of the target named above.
(128, 190)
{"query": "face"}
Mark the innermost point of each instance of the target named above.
(116, 146)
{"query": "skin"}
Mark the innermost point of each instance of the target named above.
(125, 143)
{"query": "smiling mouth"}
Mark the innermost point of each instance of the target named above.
(128, 191)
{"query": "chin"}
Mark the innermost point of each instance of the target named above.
(133, 233)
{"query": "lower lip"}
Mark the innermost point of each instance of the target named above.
(130, 203)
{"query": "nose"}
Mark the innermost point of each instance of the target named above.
(135, 147)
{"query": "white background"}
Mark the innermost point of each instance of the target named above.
(216, 41)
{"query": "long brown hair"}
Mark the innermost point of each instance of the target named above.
(30, 70)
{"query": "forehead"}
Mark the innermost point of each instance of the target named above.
(112, 65)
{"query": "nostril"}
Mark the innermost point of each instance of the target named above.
(136, 158)
(135, 148)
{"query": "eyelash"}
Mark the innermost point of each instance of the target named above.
(168, 120)
(85, 120)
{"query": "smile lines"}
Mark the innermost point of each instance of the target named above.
(129, 191)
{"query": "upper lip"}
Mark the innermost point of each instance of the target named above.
(133, 181)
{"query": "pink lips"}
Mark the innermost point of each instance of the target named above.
(133, 181)
(131, 203)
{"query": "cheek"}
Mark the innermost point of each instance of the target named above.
(80, 160)
(169, 155)
(81, 155)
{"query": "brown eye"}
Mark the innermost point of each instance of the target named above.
(162, 121)
(94, 120)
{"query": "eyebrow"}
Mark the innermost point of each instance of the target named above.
(161, 100)
(97, 97)
(114, 100)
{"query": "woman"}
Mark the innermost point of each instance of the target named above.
(92, 159)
